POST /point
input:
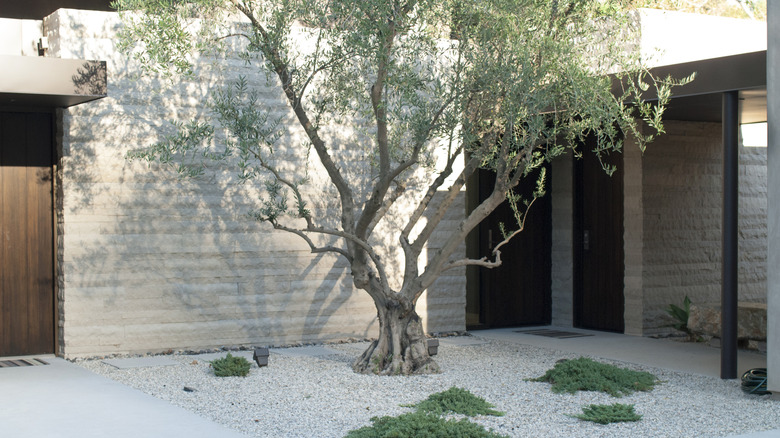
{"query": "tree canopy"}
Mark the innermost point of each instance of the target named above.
(427, 91)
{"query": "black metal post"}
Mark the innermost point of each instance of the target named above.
(729, 278)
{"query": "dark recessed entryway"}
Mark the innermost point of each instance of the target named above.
(518, 292)
(598, 243)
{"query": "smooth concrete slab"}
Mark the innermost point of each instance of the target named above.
(141, 362)
(764, 434)
(63, 400)
(208, 357)
(689, 357)
(309, 350)
(461, 341)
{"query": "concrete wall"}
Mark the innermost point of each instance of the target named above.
(148, 262)
(682, 197)
(20, 37)
(671, 37)
(633, 239)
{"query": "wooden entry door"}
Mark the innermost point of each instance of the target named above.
(598, 248)
(519, 291)
(26, 234)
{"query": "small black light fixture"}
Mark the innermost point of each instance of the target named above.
(433, 347)
(260, 357)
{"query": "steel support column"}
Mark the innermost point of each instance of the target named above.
(773, 197)
(729, 277)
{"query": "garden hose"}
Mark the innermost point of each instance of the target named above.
(754, 381)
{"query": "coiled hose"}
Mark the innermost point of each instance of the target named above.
(754, 381)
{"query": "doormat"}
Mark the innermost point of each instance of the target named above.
(13, 363)
(558, 334)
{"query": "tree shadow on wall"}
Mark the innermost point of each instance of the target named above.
(150, 262)
(90, 79)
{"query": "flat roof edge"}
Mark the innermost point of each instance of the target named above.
(29, 80)
(744, 71)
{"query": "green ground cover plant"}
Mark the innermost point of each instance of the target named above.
(427, 421)
(605, 414)
(421, 425)
(585, 374)
(229, 366)
(458, 401)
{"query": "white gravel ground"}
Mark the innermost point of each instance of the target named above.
(299, 396)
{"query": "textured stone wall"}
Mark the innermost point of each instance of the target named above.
(562, 226)
(682, 196)
(147, 262)
(633, 239)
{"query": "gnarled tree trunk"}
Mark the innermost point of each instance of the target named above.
(401, 347)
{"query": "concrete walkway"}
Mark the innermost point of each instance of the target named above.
(64, 400)
(689, 357)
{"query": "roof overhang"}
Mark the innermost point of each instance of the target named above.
(700, 100)
(27, 81)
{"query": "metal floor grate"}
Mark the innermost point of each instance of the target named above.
(13, 363)
(558, 334)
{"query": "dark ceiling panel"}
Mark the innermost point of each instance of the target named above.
(707, 107)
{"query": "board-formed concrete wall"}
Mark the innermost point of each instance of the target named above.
(682, 204)
(148, 262)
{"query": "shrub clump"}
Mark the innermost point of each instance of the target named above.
(229, 366)
(421, 424)
(458, 401)
(426, 421)
(605, 414)
(584, 374)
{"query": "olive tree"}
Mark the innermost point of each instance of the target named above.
(433, 90)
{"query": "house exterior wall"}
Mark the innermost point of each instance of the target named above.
(19, 37)
(149, 262)
(672, 226)
(681, 201)
(633, 239)
(562, 234)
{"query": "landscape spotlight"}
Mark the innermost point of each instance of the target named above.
(260, 357)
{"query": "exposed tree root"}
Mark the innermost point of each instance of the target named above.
(401, 348)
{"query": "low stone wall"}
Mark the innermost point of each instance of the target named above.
(705, 319)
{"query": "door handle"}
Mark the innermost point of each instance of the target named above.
(586, 240)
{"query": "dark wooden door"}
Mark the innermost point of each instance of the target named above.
(26, 234)
(599, 263)
(519, 291)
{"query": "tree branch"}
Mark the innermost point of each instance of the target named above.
(282, 71)
(314, 248)
(436, 263)
(367, 249)
(431, 192)
(400, 188)
(483, 262)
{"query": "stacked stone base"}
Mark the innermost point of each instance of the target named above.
(705, 322)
